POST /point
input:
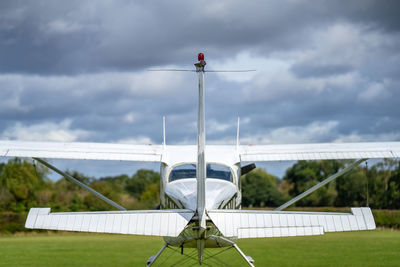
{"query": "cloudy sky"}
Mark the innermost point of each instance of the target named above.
(327, 71)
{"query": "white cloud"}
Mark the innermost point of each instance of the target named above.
(246, 61)
(380, 137)
(314, 132)
(336, 59)
(374, 92)
(280, 84)
(45, 131)
(131, 117)
(214, 126)
(12, 101)
(136, 83)
(60, 26)
(311, 133)
(151, 83)
(339, 44)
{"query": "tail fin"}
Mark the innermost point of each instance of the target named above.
(201, 161)
(201, 140)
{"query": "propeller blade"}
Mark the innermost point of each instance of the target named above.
(171, 70)
(229, 70)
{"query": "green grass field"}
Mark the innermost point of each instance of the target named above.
(369, 248)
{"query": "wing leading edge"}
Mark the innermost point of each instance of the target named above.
(87, 151)
(154, 153)
(253, 224)
(141, 222)
(321, 151)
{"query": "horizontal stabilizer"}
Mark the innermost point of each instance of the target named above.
(143, 222)
(252, 224)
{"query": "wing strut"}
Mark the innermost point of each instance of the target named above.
(324, 182)
(72, 179)
(152, 259)
(248, 259)
(223, 240)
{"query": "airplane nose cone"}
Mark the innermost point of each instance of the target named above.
(217, 192)
(185, 191)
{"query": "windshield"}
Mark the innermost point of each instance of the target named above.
(215, 171)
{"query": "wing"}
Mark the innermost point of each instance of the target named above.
(252, 224)
(145, 222)
(75, 150)
(320, 151)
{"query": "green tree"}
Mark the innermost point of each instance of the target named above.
(7, 200)
(387, 193)
(151, 196)
(305, 174)
(140, 180)
(393, 192)
(22, 180)
(260, 189)
(118, 182)
(67, 196)
(92, 202)
(352, 189)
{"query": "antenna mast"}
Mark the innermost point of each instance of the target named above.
(237, 134)
(164, 138)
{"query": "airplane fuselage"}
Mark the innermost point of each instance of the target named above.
(178, 188)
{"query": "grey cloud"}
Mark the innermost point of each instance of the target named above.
(308, 70)
(381, 14)
(70, 46)
(48, 37)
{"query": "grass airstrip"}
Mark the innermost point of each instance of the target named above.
(367, 248)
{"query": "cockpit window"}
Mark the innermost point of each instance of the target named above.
(184, 171)
(215, 171)
(218, 171)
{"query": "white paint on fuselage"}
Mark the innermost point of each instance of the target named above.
(218, 192)
(184, 192)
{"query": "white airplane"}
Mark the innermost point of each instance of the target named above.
(200, 194)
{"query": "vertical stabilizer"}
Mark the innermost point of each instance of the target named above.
(201, 140)
(201, 160)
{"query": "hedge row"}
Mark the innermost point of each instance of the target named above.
(12, 222)
(387, 218)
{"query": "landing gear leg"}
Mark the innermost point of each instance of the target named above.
(248, 259)
(152, 259)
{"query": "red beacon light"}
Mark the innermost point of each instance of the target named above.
(200, 57)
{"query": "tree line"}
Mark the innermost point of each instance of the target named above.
(376, 186)
(24, 185)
